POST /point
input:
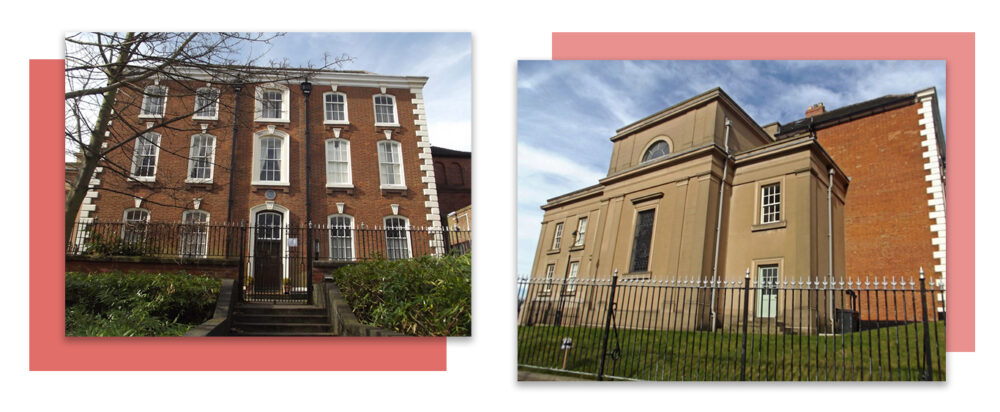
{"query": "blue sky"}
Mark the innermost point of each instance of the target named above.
(568, 110)
(446, 58)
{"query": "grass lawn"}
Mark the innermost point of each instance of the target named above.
(890, 353)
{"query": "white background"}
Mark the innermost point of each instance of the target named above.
(481, 370)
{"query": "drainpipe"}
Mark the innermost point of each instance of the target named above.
(232, 168)
(829, 241)
(306, 91)
(718, 225)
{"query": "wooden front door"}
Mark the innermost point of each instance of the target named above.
(268, 253)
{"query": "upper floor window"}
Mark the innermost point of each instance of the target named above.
(657, 150)
(641, 243)
(272, 103)
(270, 158)
(581, 231)
(194, 233)
(201, 159)
(770, 203)
(385, 110)
(341, 237)
(134, 225)
(390, 162)
(206, 104)
(144, 156)
(335, 108)
(338, 163)
(557, 239)
(397, 237)
(154, 101)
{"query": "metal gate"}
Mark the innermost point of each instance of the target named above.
(274, 269)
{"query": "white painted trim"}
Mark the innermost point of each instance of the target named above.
(395, 111)
(156, 158)
(218, 95)
(285, 103)
(350, 173)
(424, 152)
(211, 164)
(371, 80)
(329, 236)
(406, 226)
(142, 106)
(402, 173)
(255, 167)
(347, 115)
(934, 178)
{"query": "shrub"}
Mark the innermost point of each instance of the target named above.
(427, 296)
(136, 304)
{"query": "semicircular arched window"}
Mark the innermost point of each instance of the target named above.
(657, 150)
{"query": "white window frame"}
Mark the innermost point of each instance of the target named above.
(154, 139)
(350, 175)
(772, 199)
(557, 236)
(395, 111)
(350, 232)
(258, 115)
(406, 231)
(327, 120)
(203, 241)
(581, 231)
(214, 105)
(645, 151)
(402, 176)
(550, 273)
(145, 96)
(126, 222)
(574, 271)
(255, 178)
(210, 156)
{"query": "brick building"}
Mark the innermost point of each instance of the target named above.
(357, 155)
(453, 175)
(893, 149)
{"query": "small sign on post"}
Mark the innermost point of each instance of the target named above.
(293, 242)
(567, 344)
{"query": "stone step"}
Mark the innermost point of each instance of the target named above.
(291, 328)
(240, 333)
(292, 310)
(281, 318)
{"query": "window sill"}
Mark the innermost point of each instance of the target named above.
(263, 120)
(204, 184)
(258, 186)
(575, 248)
(387, 189)
(768, 226)
(141, 179)
(638, 275)
(331, 189)
(150, 116)
(337, 122)
(211, 119)
(568, 293)
(552, 251)
(386, 124)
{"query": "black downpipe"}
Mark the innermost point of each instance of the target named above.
(232, 162)
(306, 91)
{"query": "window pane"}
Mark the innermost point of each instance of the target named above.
(384, 112)
(335, 107)
(194, 234)
(206, 102)
(270, 158)
(658, 149)
(770, 202)
(341, 238)
(396, 239)
(153, 100)
(641, 242)
(144, 157)
(271, 104)
(202, 147)
(390, 165)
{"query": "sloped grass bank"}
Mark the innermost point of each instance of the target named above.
(137, 304)
(426, 296)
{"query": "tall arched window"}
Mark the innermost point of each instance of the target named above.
(656, 150)
(201, 159)
(154, 101)
(194, 233)
(341, 237)
(397, 237)
(338, 163)
(270, 158)
(390, 163)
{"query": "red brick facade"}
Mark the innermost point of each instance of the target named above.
(169, 195)
(453, 175)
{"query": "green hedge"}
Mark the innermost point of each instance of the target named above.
(137, 304)
(427, 296)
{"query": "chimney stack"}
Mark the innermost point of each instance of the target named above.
(815, 109)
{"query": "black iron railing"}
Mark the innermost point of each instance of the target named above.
(802, 330)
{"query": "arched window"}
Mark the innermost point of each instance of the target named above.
(206, 104)
(390, 163)
(385, 110)
(201, 159)
(335, 108)
(397, 237)
(459, 179)
(154, 101)
(439, 174)
(270, 158)
(341, 237)
(194, 233)
(338, 163)
(656, 150)
(135, 224)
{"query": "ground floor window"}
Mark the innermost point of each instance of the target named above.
(194, 233)
(135, 225)
(397, 238)
(341, 237)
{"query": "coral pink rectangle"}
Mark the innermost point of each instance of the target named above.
(51, 350)
(957, 49)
